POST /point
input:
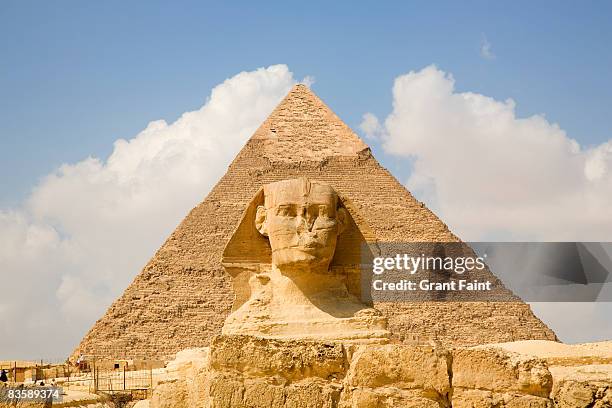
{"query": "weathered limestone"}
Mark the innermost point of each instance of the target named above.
(245, 371)
(498, 370)
(171, 394)
(392, 375)
(492, 377)
(187, 382)
(291, 360)
(253, 372)
(560, 354)
(582, 386)
(294, 295)
(581, 373)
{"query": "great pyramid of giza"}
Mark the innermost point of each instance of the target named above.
(183, 295)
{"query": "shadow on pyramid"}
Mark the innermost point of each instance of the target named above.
(182, 296)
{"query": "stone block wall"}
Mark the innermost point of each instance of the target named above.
(248, 372)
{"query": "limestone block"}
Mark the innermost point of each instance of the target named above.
(228, 391)
(493, 369)
(171, 394)
(291, 360)
(582, 386)
(199, 389)
(574, 394)
(188, 362)
(401, 366)
(397, 375)
(253, 372)
(312, 393)
(387, 397)
(225, 391)
(260, 393)
(463, 398)
(186, 383)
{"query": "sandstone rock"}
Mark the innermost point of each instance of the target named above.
(312, 393)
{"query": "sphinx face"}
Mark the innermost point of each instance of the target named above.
(302, 221)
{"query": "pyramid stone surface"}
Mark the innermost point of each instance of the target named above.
(182, 296)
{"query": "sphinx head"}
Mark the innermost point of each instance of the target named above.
(302, 219)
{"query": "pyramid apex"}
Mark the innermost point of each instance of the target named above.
(303, 127)
(303, 90)
(301, 86)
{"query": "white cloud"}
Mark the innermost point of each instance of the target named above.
(490, 174)
(308, 80)
(371, 127)
(486, 50)
(89, 227)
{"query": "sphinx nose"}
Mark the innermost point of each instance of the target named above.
(310, 223)
(305, 221)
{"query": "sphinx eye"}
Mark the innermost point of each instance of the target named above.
(285, 211)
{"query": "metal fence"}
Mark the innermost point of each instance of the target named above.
(122, 380)
(135, 378)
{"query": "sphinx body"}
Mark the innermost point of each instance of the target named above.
(296, 295)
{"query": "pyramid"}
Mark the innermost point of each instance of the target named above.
(182, 296)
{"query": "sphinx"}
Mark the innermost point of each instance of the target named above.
(279, 259)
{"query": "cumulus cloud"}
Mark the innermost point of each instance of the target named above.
(308, 80)
(370, 126)
(88, 228)
(490, 174)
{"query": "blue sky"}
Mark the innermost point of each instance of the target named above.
(75, 76)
